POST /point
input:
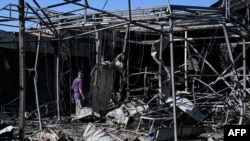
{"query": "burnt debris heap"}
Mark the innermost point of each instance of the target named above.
(156, 70)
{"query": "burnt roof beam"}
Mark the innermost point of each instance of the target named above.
(55, 31)
(120, 17)
(45, 23)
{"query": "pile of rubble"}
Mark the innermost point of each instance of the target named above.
(133, 120)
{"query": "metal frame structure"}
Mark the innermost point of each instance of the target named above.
(198, 31)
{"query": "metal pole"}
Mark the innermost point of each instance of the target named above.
(21, 52)
(160, 66)
(244, 75)
(185, 63)
(85, 11)
(123, 59)
(57, 79)
(129, 8)
(172, 75)
(35, 82)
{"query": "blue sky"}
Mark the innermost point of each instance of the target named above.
(117, 4)
(106, 5)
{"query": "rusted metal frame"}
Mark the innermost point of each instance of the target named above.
(45, 23)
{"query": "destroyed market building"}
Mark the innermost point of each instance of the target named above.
(162, 72)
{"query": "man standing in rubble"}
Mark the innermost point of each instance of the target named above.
(78, 94)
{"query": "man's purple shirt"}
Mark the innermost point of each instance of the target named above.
(77, 83)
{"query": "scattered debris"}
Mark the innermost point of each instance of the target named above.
(86, 112)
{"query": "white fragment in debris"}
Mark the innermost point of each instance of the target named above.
(118, 115)
(135, 107)
(121, 115)
(187, 106)
(6, 129)
(85, 112)
(92, 133)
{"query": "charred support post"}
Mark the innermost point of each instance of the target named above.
(145, 82)
(98, 57)
(185, 63)
(172, 76)
(98, 51)
(57, 78)
(160, 66)
(21, 50)
(35, 81)
(123, 60)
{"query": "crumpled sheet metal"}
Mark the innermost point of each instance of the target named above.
(6, 129)
(93, 133)
(85, 112)
(188, 107)
(121, 115)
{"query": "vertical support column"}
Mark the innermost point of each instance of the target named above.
(35, 81)
(145, 82)
(96, 95)
(185, 63)
(98, 54)
(244, 75)
(57, 79)
(21, 52)
(160, 66)
(85, 11)
(172, 76)
(244, 53)
(247, 12)
(123, 61)
(227, 9)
